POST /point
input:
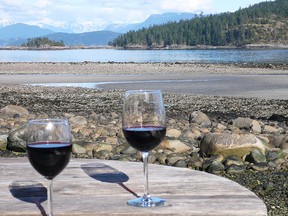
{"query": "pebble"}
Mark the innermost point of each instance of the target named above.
(95, 118)
(99, 134)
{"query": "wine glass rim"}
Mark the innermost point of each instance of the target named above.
(143, 91)
(51, 120)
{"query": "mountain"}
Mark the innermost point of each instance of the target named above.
(75, 27)
(20, 30)
(155, 19)
(63, 29)
(263, 23)
(96, 38)
(16, 34)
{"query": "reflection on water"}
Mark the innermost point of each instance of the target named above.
(98, 85)
(111, 55)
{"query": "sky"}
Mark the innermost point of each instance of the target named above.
(105, 12)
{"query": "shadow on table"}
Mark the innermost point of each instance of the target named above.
(29, 191)
(108, 174)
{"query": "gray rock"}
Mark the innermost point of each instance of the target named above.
(232, 160)
(284, 144)
(273, 164)
(173, 133)
(200, 118)
(256, 127)
(172, 160)
(233, 168)
(260, 166)
(195, 162)
(272, 155)
(77, 121)
(217, 157)
(216, 168)
(162, 158)
(3, 142)
(129, 150)
(256, 157)
(231, 144)
(175, 145)
(279, 161)
(78, 149)
(17, 139)
(270, 129)
(180, 163)
(248, 124)
(152, 158)
(13, 111)
(277, 140)
(103, 154)
(103, 146)
(243, 123)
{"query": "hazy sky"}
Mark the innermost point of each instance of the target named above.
(103, 12)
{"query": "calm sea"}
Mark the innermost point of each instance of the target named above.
(106, 55)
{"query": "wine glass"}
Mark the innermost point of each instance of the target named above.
(49, 149)
(144, 127)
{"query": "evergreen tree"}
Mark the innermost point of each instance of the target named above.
(264, 22)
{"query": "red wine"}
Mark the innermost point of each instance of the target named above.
(145, 138)
(49, 159)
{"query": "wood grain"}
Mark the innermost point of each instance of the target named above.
(97, 187)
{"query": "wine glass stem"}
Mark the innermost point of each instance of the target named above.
(49, 197)
(145, 166)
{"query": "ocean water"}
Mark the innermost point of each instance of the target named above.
(112, 55)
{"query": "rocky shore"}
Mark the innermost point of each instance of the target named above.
(197, 128)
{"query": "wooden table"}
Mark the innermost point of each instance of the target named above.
(97, 187)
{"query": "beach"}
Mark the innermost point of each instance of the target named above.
(223, 92)
(268, 82)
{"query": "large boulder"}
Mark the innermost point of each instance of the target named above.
(231, 144)
(13, 111)
(17, 139)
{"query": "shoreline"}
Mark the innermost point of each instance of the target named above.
(230, 80)
(170, 47)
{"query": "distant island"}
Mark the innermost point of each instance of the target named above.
(42, 42)
(261, 25)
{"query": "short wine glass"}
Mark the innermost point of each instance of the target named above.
(49, 149)
(144, 127)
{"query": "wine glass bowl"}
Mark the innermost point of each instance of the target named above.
(144, 127)
(49, 149)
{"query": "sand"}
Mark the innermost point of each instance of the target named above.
(207, 79)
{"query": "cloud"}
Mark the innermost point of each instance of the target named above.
(101, 12)
(184, 5)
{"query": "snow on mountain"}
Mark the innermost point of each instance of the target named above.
(15, 33)
(5, 22)
(155, 19)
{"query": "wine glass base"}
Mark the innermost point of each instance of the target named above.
(146, 202)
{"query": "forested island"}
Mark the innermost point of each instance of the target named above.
(263, 23)
(42, 42)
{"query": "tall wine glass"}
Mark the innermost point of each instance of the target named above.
(144, 127)
(49, 149)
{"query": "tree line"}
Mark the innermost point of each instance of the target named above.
(265, 22)
(42, 42)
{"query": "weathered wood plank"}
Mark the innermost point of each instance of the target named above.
(96, 187)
